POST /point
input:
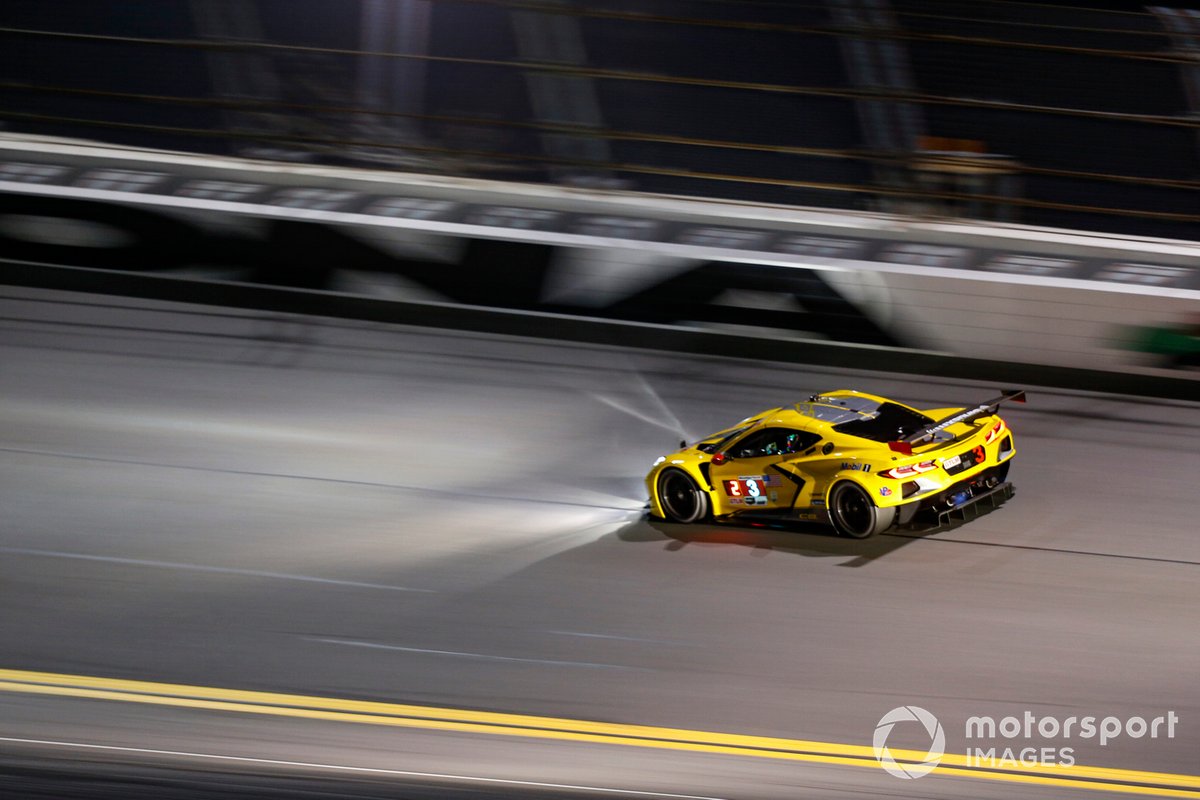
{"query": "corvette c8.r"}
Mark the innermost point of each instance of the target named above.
(860, 462)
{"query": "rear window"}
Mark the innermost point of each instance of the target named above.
(889, 423)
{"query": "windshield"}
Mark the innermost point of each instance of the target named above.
(711, 444)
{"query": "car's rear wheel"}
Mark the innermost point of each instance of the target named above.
(855, 515)
(681, 499)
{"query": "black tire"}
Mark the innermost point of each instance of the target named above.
(855, 515)
(681, 499)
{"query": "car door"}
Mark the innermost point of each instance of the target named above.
(749, 478)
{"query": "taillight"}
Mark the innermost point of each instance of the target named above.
(909, 470)
(996, 430)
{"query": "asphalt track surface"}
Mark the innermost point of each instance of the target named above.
(451, 526)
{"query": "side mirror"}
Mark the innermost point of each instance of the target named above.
(720, 458)
(682, 443)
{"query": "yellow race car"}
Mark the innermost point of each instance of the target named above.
(857, 461)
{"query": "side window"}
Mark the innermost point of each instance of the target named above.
(774, 442)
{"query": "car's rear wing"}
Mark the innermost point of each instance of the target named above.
(989, 407)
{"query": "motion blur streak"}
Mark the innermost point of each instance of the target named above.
(326, 708)
(370, 770)
(256, 573)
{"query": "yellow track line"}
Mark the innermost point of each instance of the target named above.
(466, 721)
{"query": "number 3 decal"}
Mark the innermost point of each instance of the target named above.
(752, 488)
(980, 456)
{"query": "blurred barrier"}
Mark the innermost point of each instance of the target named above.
(1000, 293)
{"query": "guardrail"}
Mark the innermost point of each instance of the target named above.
(1001, 293)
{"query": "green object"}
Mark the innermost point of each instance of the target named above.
(1166, 341)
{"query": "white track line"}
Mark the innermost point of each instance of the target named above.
(367, 770)
(483, 656)
(139, 562)
(620, 638)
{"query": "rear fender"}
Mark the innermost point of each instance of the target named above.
(883, 492)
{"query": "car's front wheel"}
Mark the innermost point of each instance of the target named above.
(681, 499)
(855, 515)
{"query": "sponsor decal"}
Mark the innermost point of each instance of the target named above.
(957, 418)
(885, 491)
(962, 461)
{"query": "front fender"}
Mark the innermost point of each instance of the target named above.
(691, 468)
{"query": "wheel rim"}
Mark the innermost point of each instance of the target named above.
(680, 497)
(853, 510)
